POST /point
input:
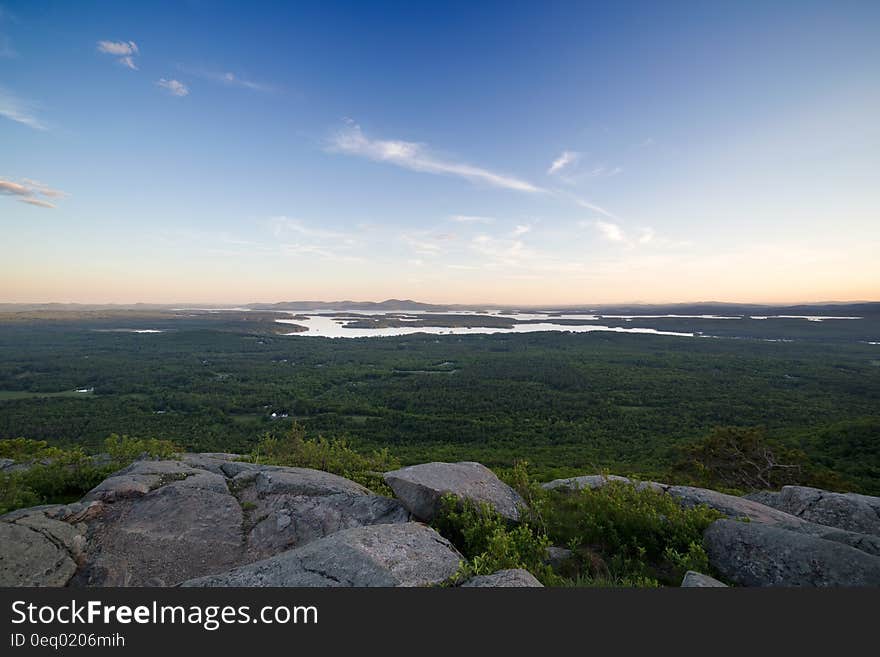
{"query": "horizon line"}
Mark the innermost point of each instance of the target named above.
(233, 304)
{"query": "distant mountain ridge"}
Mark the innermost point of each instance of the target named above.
(388, 304)
(858, 308)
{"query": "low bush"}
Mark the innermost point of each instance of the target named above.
(619, 534)
(490, 542)
(55, 475)
(335, 455)
(123, 449)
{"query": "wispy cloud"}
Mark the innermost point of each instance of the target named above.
(611, 232)
(174, 87)
(38, 202)
(565, 159)
(124, 51)
(21, 111)
(228, 78)
(43, 189)
(296, 237)
(471, 219)
(282, 225)
(592, 206)
(414, 156)
(602, 171)
(424, 245)
(644, 237)
(10, 188)
(522, 229)
(30, 192)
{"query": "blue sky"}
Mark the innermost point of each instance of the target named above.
(454, 152)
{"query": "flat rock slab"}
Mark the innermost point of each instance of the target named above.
(511, 578)
(407, 554)
(141, 477)
(159, 523)
(847, 511)
(283, 522)
(741, 507)
(171, 534)
(755, 554)
(598, 481)
(31, 558)
(694, 580)
(421, 487)
(733, 506)
(305, 482)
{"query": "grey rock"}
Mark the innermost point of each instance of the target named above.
(847, 511)
(420, 488)
(161, 522)
(584, 481)
(288, 521)
(756, 554)
(765, 497)
(511, 578)
(556, 556)
(32, 558)
(210, 461)
(733, 506)
(62, 534)
(597, 481)
(740, 507)
(140, 478)
(407, 554)
(306, 482)
(694, 580)
(173, 533)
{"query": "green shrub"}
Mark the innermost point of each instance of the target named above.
(620, 534)
(124, 449)
(25, 450)
(51, 475)
(334, 455)
(490, 542)
(741, 459)
(56, 475)
(621, 531)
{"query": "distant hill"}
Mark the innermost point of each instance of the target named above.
(388, 304)
(856, 309)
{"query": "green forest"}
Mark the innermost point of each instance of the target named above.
(567, 403)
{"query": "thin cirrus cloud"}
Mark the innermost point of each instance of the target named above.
(124, 51)
(592, 206)
(565, 159)
(21, 111)
(234, 80)
(228, 79)
(31, 192)
(414, 156)
(646, 237)
(281, 226)
(174, 87)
